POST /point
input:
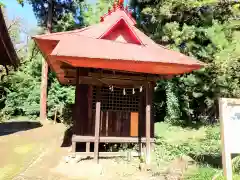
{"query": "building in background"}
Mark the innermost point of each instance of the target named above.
(8, 55)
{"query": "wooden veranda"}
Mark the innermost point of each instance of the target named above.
(114, 67)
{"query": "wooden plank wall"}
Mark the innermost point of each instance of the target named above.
(113, 123)
(80, 117)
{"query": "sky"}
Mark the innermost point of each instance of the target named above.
(25, 13)
(15, 10)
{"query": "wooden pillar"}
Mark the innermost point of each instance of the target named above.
(87, 146)
(148, 123)
(75, 111)
(97, 124)
(81, 104)
(74, 143)
(141, 107)
(44, 79)
(90, 98)
(43, 96)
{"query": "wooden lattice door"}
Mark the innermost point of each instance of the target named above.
(119, 111)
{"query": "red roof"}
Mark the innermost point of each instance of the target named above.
(115, 43)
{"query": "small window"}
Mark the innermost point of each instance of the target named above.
(116, 100)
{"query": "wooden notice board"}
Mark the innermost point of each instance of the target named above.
(229, 110)
(134, 124)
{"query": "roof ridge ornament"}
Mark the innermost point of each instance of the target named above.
(118, 4)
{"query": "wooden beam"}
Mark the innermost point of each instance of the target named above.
(135, 77)
(116, 73)
(107, 81)
(124, 76)
(108, 154)
(67, 67)
(148, 124)
(97, 123)
(110, 139)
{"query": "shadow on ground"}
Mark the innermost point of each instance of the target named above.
(67, 139)
(214, 160)
(11, 127)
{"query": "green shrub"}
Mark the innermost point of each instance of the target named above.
(202, 145)
(236, 164)
(203, 173)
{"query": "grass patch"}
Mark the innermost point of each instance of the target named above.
(202, 173)
(202, 145)
(176, 134)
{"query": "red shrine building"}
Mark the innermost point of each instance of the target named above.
(114, 67)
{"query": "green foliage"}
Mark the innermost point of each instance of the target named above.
(173, 109)
(61, 10)
(20, 91)
(23, 91)
(21, 96)
(59, 98)
(202, 146)
(207, 30)
(203, 173)
(174, 141)
(21, 2)
(236, 164)
(94, 12)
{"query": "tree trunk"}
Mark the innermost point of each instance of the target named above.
(44, 80)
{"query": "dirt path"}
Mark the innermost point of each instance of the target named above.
(36, 154)
(22, 149)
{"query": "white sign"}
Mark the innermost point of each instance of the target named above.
(229, 110)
